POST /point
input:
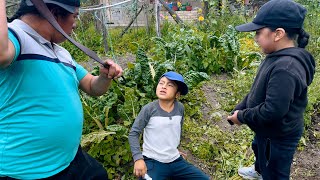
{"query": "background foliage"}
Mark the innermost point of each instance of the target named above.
(199, 51)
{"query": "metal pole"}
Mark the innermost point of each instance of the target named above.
(157, 13)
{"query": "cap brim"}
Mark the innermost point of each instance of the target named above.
(71, 9)
(183, 86)
(249, 27)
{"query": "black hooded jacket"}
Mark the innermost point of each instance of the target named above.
(277, 100)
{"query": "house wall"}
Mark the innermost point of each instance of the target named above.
(122, 15)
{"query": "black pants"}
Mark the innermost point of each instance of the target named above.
(83, 167)
(274, 156)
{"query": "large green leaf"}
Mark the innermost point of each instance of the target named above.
(94, 137)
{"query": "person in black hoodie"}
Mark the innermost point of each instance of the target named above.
(274, 107)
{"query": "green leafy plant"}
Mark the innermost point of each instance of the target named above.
(108, 118)
(210, 48)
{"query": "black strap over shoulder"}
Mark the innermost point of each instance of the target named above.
(44, 11)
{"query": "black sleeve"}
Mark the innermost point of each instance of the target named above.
(280, 92)
(242, 105)
(134, 135)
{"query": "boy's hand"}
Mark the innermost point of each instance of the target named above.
(140, 168)
(184, 155)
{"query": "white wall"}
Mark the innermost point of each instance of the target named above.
(121, 15)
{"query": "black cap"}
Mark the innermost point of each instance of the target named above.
(278, 14)
(69, 5)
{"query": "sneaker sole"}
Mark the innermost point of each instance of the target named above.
(249, 178)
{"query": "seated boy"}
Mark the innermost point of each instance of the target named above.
(162, 122)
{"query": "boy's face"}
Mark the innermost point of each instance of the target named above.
(167, 89)
(265, 39)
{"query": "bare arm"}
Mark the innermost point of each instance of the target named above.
(98, 85)
(7, 49)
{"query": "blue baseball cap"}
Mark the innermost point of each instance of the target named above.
(173, 76)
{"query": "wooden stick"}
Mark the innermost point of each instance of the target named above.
(157, 13)
(145, 9)
(171, 12)
(105, 32)
(126, 29)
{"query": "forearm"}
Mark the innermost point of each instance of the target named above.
(135, 145)
(280, 93)
(134, 141)
(99, 85)
(241, 105)
(135, 132)
(261, 115)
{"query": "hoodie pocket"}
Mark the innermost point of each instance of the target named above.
(268, 151)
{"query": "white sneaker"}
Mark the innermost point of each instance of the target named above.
(249, 173)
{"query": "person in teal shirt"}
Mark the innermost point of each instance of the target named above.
(41, 114)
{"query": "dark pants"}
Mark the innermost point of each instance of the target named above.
(83, 167)
(178, 169)
(274, 156)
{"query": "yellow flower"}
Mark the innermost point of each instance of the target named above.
(166, 17)
(248, 45)
(179, 4)
(201, 18)
(174, 16)
(199, 11)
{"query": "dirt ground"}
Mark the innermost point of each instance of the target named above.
(306, 163)
(121, 60)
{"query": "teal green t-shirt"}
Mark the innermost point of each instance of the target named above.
(41, 114)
